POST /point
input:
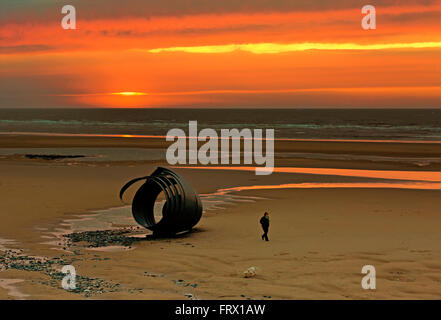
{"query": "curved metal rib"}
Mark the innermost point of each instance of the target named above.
(182, 209)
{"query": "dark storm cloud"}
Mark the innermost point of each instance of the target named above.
(36, 90)
(411, 17)
(25, 48)
(25, 10)
(183, 31)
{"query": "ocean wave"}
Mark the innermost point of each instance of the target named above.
(81, 123)
(167, 124)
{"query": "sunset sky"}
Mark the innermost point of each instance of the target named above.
(205, 53)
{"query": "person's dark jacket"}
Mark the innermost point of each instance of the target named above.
(264, 222)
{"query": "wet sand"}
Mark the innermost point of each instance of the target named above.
(320, 237)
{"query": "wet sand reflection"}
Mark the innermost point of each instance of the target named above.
(432, 176)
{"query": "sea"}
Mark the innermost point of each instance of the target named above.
(352, 124)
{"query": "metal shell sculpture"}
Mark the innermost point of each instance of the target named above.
(182, 209)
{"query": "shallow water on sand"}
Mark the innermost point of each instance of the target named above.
(9, 285)
(429, 176)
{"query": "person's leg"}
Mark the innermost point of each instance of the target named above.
(265, 235)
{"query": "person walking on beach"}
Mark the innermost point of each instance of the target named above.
(265, 221)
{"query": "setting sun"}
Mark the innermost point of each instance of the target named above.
(129, 93)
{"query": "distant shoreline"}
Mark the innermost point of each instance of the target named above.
(99, 135)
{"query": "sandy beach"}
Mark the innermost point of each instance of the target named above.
(320, 237)
(322, 116)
